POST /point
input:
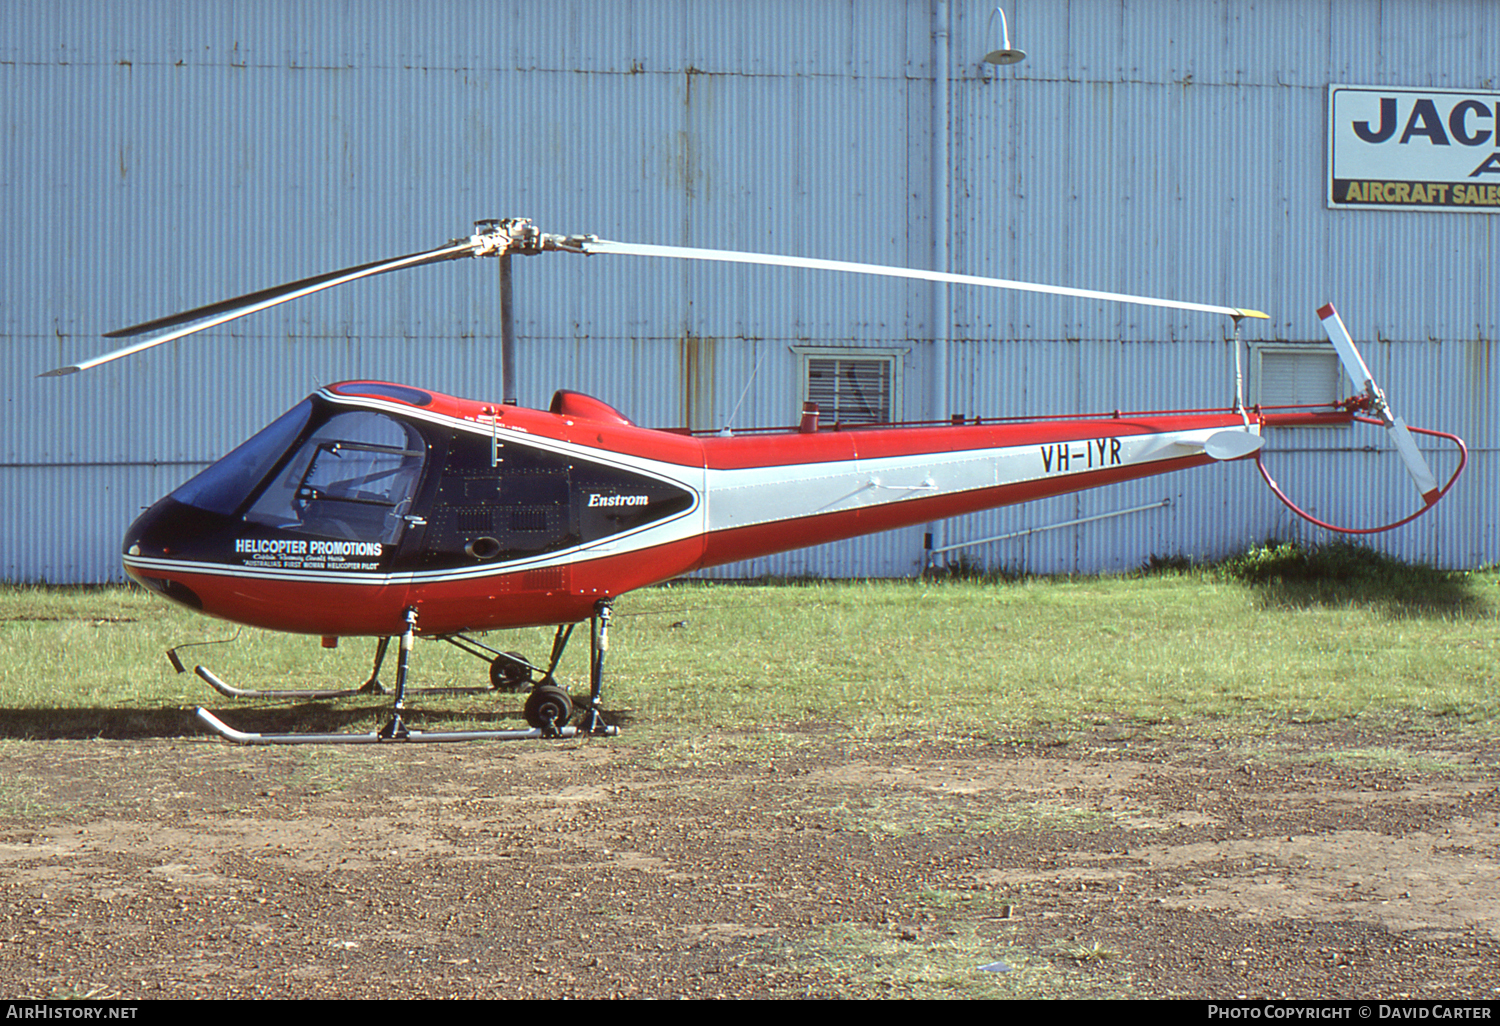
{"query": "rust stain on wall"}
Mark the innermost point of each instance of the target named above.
(698, 356)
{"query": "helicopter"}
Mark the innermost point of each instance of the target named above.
(380, 509)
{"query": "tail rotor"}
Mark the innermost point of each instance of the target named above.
(1354, 366)
(1373, 401)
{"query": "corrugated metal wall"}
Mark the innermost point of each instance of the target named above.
(163, 155)
(1179, 150)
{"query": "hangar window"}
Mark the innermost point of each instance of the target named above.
(852, 386)
(1296, 375)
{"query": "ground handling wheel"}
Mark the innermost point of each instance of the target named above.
(509, 676)
(548, 708)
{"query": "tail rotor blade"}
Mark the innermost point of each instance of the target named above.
(1416, 464)
(1354, 364)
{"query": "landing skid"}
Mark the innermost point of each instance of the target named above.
(548, 708)
(509, 671)
(378, 737)
(228, 690)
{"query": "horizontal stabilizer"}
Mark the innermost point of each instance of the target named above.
(1233, 444)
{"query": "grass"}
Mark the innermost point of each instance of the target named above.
(19, 797)
(1280, 634)
(864, 962)
(1394, 759)
(900, 815)
(946, 958)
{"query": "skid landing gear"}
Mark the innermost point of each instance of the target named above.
(369, 687)
(548, 708)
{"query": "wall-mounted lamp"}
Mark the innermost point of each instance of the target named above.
(1006, 54)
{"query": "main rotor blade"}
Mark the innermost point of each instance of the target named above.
(591, 245)
(175, 326)
(518, 235)
(1354, 364)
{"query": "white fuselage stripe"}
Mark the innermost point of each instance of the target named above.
(740, 498)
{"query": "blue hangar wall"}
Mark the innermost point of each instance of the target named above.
(161, 155)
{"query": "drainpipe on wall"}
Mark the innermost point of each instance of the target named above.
(941, 314)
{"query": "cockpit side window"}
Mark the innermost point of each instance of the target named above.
(223, 487)
(509, 499)
(353, 479)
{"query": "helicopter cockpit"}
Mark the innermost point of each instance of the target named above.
(327, 487)
(320, 488)
(352, 479)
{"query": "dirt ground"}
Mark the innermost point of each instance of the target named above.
(1311, 862)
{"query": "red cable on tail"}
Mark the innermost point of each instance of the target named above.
(1431, 498)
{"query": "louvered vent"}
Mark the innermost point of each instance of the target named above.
(851, 391)
(1298, 376)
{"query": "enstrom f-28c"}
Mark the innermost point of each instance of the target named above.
(386, 510)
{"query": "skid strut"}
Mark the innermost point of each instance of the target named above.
(593, 720)
(396, 730)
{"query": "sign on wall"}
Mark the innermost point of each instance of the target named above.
(1413, 149)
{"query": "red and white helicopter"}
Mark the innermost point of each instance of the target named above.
(378, 509)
